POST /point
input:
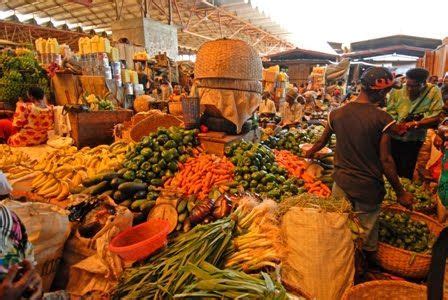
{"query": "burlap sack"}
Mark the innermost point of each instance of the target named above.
(48, 228)
(234, 100)
(320, 253)
(100, 271)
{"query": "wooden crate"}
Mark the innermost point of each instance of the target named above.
(215, 142)
(441, 61)
(96, 128)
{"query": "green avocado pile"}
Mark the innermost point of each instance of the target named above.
(256, 171)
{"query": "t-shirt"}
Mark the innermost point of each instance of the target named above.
(399, 105)
(358, 169)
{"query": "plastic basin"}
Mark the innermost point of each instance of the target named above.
(138, 242)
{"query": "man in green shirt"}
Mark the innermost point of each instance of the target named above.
(416, 108)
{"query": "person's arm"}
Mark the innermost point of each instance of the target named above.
(322, 142)
(390, 171)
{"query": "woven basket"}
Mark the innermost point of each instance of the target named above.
(386, 289)
(225, 58)
(403, 262)
(154, 120)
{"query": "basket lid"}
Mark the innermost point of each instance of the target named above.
(227, 58)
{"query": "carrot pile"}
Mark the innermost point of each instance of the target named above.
(296, 167)
(198, 175)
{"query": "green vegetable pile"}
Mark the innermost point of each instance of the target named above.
(152, 161)
(256, 171)
(18, 73)
(164, 275)
(213, 283)
(288, 140)
(425, 201)
(399, 230)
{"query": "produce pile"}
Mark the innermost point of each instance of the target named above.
(399, 230)
(292, 139)
(257, 244)
(15, 163)
(147, 167)
(198, 175)
(296, 167)
(18, 72)
(62, 171)
(424, 200)
(213, 283)
(164, 274)
(190, 266)
(96, 103)
(256, 171)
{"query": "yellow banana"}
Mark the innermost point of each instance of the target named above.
(55, 192)
(65, 191)
(51, 187)
(76, 180)
(48, 184)
(39, 182)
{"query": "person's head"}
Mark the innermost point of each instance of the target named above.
(340, 83)
(301, 99)
(291, 96)
(177, 89)
(416, 81)
(433, 79)
(5, 187)
(302, 85)
(36, 94)
(376, 83)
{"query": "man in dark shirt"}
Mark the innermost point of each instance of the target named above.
(363, 152)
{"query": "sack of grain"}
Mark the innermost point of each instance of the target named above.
(320, 253)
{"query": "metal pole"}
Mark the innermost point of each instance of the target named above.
(170, 12)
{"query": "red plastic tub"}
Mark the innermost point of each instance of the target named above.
(139, 242)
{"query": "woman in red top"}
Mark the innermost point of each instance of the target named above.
(31, 121)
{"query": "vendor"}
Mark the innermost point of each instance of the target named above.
(267, 106)
(416, 107)
(362, 155)
(31, 122)
(292, 111)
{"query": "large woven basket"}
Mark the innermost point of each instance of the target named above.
(226, 58)
(403, 262)
(154, 120)
(386, 289)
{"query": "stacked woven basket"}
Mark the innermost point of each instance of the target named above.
(227, 80)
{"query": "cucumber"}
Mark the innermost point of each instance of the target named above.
(135, 206)
(99, 188)
(130, 188)
(116, 182)
(107, 176)
(146, 206)
(140, 195)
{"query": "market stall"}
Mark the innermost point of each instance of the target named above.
(202, 203)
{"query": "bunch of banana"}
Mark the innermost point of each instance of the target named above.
(63, 170)
(15, 162)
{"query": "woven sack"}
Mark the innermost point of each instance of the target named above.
(226, 58)
(320, 253)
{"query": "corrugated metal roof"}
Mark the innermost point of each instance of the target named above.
(197, 20)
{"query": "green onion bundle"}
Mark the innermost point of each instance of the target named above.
(211, 282)
(163, 275)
